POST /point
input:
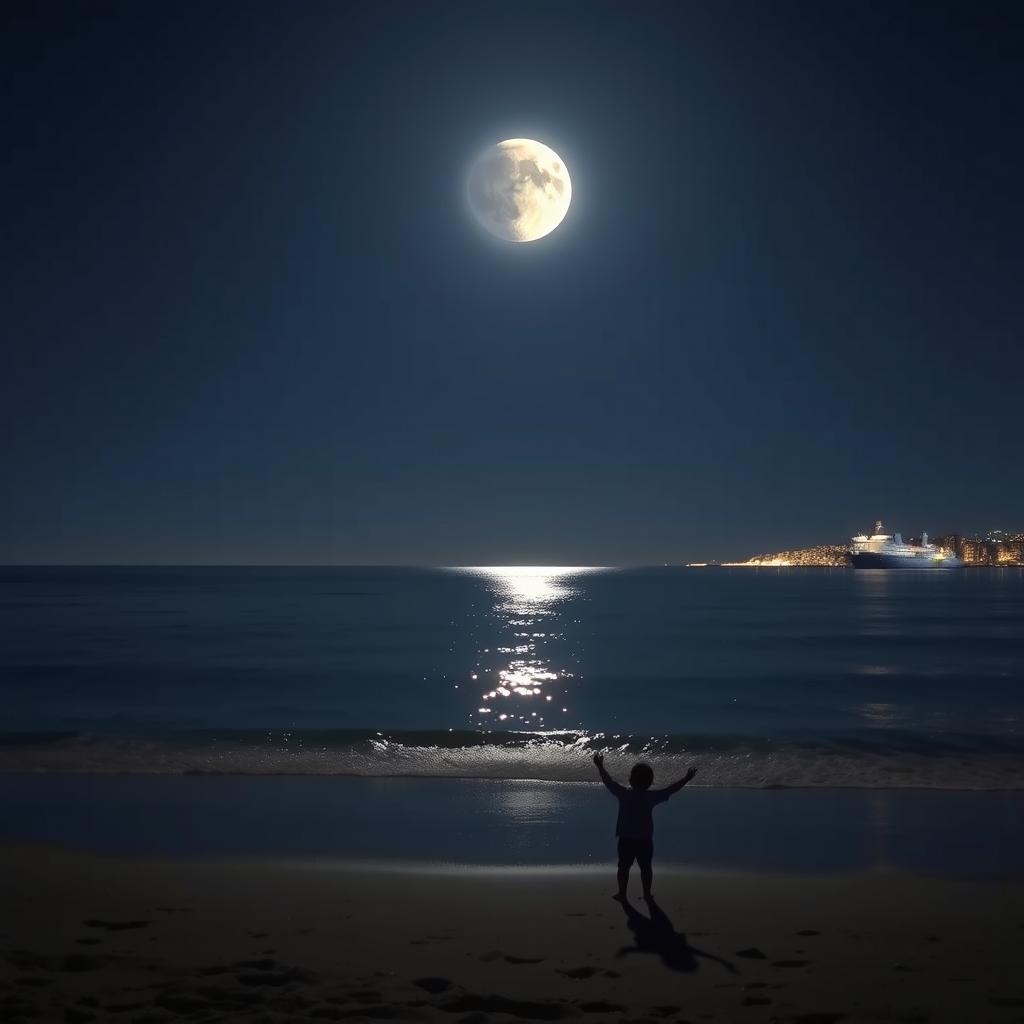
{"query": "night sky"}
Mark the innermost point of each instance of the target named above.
(247, 317)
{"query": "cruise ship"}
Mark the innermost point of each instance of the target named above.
(889, 551)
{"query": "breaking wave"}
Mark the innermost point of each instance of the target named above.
(865, 758)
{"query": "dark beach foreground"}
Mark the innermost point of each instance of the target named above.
(90, 938)
(278, 899)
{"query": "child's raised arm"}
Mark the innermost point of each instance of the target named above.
(606, 778)
(676, 786)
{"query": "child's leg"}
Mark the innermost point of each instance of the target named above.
(644, 858)
(623, 879)
(625, 862)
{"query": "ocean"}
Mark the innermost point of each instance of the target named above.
(764, 678)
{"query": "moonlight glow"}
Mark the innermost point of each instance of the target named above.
(519, 190)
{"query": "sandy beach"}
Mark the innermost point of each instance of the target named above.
(88, 938)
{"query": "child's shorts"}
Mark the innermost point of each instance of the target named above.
(640, 850)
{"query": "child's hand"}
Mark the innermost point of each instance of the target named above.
(599, 759)
(691, 771)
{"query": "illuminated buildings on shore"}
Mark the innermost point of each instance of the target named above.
(820, 554)
(998, 547)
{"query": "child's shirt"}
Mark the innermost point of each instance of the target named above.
(635, 820)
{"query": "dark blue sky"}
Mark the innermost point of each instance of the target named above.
(247, 318)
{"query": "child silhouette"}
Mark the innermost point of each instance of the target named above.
(635, 824)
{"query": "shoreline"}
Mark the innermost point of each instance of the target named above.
(90, 938)
(963, 834)
(854, 761)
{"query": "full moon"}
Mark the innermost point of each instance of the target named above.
(519, 190)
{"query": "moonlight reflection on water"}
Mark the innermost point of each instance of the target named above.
(519, 677)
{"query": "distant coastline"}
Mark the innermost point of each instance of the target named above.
(996, 548)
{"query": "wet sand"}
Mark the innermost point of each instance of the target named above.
(87, 938)
(514, 822)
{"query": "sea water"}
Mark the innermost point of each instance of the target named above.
(765, 678)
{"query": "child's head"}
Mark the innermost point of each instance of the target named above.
(641, 776)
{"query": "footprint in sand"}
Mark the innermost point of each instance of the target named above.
(816, 1018)
(81, 962)
(73, 1015)
(181, 1003)
(115, 926)
(434, 986)
(123, 1007)
(265, 964)
(523, 1008)
(365, 996)
(278, 980)
(497, 954)
(580, 973)
(600, 1006)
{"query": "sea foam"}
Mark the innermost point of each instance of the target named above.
(863, 760)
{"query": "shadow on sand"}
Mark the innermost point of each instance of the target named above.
(656, 934)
